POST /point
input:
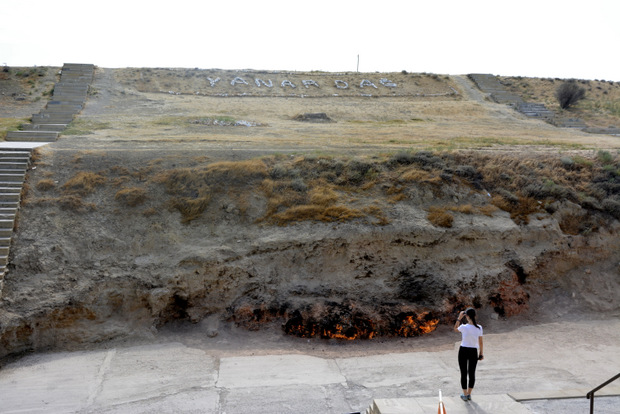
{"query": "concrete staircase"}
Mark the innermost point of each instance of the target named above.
(490, 85)
(15, 153)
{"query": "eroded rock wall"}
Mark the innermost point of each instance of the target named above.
(87, 275)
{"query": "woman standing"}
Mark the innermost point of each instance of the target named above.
(471, 343)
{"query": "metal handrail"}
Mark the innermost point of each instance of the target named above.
(590, 395)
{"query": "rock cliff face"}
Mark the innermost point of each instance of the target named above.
(101, 270)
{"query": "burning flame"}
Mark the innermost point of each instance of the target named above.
(405, 325)
(413, 326)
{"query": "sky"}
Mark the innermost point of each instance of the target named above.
(542, 38)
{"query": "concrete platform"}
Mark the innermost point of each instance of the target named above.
(480, 404)
(609, 391)
(19, 146)
(188, 372)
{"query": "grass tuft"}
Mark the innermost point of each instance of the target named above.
(132, 197)
(439, 217)
(84, 183)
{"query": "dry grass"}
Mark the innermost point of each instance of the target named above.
(519, 210)
(132, 196)
(316, 213)
(281, 190)
(192, 188)
(84, 183)
(190, 208)
(337, 189)
(46, 185)
(390, 122)
(149, 212)
(439, 217)
(413, 174)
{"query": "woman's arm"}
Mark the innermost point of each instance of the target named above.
(480, 356)
(458, 321)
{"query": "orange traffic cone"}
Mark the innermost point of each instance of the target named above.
(442, 408)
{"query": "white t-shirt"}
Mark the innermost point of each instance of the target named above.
(470, 335)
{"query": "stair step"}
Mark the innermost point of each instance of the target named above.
(15, 152)
(7, 165)
(11, 184)
(29, 138)
(44, 127)
(6, 224)
(10, 196)
(9, 204)
(7, 157)
(11, 171)
(53, 118)
(10, 189)
(27, 134)
(12, 177)
(14, 160)
(6, 233)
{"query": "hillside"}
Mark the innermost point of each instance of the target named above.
(174, 197)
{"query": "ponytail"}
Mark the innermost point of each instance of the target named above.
(472, 315)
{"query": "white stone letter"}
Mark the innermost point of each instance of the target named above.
(259, 81)
(213, 81)
(366, 82)
(387, 83)
(340, 84)
(287, 82)
(308, 83)
(238, 80)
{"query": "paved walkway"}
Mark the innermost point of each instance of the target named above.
(176, 377)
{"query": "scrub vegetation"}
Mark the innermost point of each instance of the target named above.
(321, 188)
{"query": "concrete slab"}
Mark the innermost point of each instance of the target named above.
(414, 371)
(40, 384)
(277, 370)
(192, 401)
(481, 404)
(147, 372)
(289, 399)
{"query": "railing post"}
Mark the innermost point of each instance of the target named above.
(590, 395)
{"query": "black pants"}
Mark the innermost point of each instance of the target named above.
(468, 359)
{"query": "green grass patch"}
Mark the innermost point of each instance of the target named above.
(85, 127)
(10, 124)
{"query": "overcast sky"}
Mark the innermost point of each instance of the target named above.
(538, 38)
